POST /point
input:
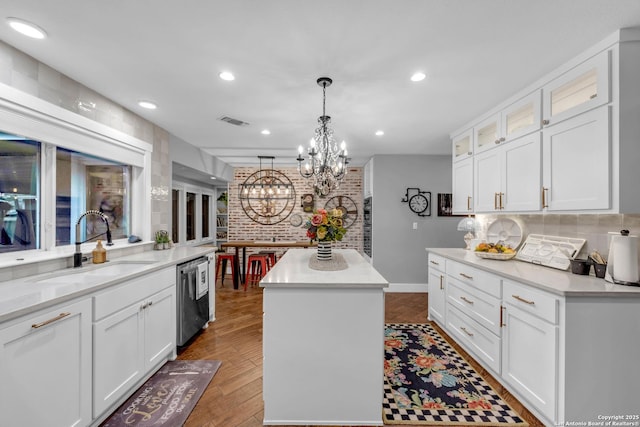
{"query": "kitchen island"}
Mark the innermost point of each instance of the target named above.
(323, 342)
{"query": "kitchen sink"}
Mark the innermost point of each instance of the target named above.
(95, 273)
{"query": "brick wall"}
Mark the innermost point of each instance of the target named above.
(242, 227)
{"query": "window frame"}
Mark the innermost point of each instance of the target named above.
(183, 188)
(53, 126)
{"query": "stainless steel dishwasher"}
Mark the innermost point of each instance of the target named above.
(192, 298)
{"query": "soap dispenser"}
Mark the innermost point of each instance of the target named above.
(99, 253)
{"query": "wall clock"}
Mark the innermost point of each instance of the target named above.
(307, 202)
(419, 201)
(347, 206)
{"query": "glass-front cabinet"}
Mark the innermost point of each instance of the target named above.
(487, 133)
(522, 117)
(463, 145)
(582, 88)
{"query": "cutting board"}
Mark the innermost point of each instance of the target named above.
(550, 251)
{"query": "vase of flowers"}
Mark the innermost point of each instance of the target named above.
(325, 227)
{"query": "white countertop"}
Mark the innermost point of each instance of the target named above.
(25, 295)
(292, 271)
(549, 279)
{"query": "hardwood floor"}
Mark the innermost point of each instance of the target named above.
(234, 396)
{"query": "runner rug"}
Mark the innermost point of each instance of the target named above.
(428, 382)
(168, 397)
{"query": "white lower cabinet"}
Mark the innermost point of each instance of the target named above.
(134, 332)
(45, 368)
(530, 345)
(437, 293)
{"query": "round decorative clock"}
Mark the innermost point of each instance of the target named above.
(347, 206)
(295, 220)
(263, 198)
(418, 203)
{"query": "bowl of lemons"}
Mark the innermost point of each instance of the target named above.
(498, 251)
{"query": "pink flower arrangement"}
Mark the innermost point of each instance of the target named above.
(325, 226)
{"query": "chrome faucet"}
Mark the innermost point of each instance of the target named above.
(77, 256)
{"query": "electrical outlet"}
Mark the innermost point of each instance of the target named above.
(415, 225)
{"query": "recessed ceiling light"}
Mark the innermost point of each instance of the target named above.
(213, 177)
(226, 75)
(418, 77)
(27, 28)
(379, 132)
(266, 132)
(148, 105)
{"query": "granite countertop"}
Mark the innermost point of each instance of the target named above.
(559, 282)
(293, 271)
(28, 294)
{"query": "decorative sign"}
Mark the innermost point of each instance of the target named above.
(419, 201)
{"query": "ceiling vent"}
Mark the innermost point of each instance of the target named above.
(233, 121)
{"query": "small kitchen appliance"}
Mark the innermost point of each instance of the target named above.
(622, 265)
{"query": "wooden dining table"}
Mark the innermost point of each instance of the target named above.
(244, 244)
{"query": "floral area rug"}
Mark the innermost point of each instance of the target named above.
(428, 382)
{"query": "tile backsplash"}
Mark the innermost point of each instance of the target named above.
(594, 228)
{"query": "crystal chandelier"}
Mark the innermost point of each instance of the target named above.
(326, 164)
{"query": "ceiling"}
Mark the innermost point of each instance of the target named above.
(476, 53)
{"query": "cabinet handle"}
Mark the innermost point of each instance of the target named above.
(497, 141)
(468, 203)
(465, 331)
(519, 298)
(434, 262)
(595, 95)
(143, 306)
(495, 201)
(469, 153)
(53, 319)
(441, 277)
(502, 139)
(544, 197)
(466, 300)
(545, 122)
(466, 276)
(501, 205)
(501, 316)
(150, 303)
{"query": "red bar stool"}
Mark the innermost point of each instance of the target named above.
(271, 257)
(258, 265)
(222, 262)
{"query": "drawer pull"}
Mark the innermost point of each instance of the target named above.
(441, 277)
(466, 300)
(501, 316)
(54, 319)
(519, 298)
(466, 276)
(465, 331)
(434, 262)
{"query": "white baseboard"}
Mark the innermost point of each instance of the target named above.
(407, 287)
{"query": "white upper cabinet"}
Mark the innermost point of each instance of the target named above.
(463, 145)
(518, 119)
(587, 113)
(508, 178)
(577, 170)
(463, 187)
(578, 90)
(488, 133)
(522, 117)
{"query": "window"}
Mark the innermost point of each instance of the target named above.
(206, 205)
(86, 182)
(191, 216)
(19, 193)
(175, 215)
(82, 182)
